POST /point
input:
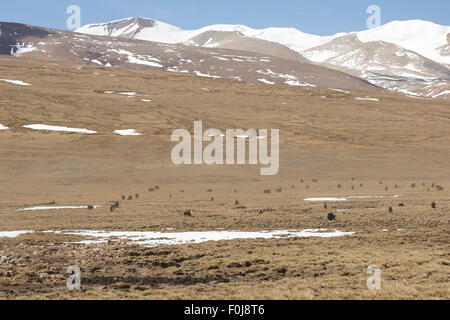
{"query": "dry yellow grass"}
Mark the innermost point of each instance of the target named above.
(396, 140)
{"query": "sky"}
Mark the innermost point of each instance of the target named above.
(321, 17)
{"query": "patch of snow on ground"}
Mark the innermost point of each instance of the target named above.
(13, 234)
(441, 93)
(325, 199)
(332, 199)
(339, 90)
(127, 132)
(299, 84)
(58, 128)
(97, 62)
(367, 99)
(135, 60)
(18, 49)
(221, 58)
(2, 127)
(130, 94)
(199, 74)
(154, 239)
(39, 208)
(266, 81)
(18, 82)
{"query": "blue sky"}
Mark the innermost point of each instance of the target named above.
(312, 16)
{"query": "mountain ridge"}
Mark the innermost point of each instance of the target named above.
(294, 38)
(77, 49)
(411, 57)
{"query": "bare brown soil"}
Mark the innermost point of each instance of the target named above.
(325, 136)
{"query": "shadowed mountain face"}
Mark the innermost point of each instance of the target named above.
(13, 34)
(220, 63)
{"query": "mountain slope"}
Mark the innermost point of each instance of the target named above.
(384, 64)
(80, 49)
(139, 29)
(236, 40)
(423, 37)
(412, 57)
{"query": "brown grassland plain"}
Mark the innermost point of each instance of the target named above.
(327, 138)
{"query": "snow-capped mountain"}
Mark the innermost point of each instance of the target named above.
(236, 40)
(154, 30)
(139, 29)
(423, 37)
(412, 57)
(57, 46)
(384, 64)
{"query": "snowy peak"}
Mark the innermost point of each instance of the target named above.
(128, 28)
(423, 37)
(153, 30)
(409, 56)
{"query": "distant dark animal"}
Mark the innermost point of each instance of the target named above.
(433, 185)
(433, 205)
(339, 186)
(111, 208)
(361, 185)
(396, 186)
(401, 204)
(123, 197)
(331, 216)
(90, 207)
(212, 198)
(353, 179)
(380, 182)
(181, 190)
(279, 189)
(391, 210)
(236, 203)
(353, 187)
(301, 180)
(267, 191)
(325, 206)
(235, 191)
(307, 186)
(260, 211)
(386, 189)
(137, 196)
(116, 204)
(413, 185)
(439, 188)
(156, 187)
(130, 197)
(315, 180)
(187, 213)
(209, 190)
(151, 190)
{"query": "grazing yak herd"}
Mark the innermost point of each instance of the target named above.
(330, 216)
